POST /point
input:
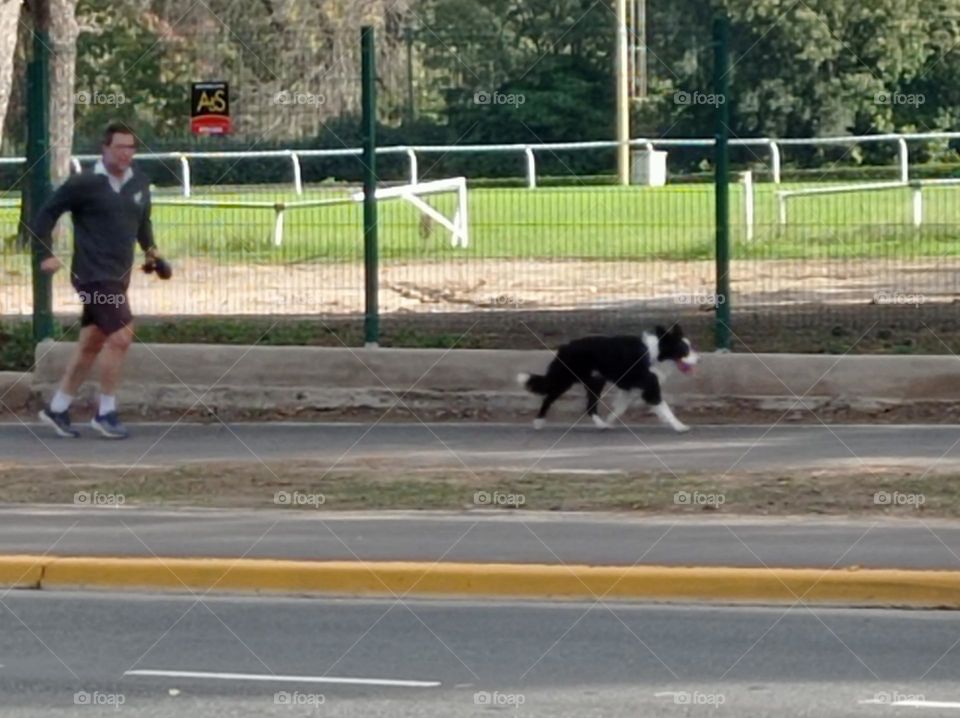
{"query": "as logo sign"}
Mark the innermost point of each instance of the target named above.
(210, 108)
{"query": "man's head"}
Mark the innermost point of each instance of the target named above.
(119, 146)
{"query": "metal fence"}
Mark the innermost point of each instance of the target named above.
(808, 252)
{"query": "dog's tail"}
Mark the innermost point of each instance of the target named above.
(532, 382)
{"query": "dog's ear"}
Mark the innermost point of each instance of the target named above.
(661, 332)
(676, 330)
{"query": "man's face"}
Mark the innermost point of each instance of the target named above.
(118, 155)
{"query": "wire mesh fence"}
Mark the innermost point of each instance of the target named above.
(852, 258)
(577, 248)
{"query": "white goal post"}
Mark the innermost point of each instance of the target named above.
(412, 193)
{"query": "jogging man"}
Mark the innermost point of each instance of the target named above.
(110, 207)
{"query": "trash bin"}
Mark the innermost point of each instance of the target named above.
(649, 168)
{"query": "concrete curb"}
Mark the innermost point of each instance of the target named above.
(227, 380)
(859, 587)
(16, 389)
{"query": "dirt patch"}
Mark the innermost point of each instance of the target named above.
(202, 287)
(880, 492)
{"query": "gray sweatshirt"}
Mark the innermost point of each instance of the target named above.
(106, 224)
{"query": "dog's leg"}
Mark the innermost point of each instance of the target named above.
(556, 391)
(653, 397)
(621, 403)
(665, 415)
(594, 386)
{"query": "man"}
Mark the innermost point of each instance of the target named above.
(110, 207)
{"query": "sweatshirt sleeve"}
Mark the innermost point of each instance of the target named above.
(145, 231)
(62, 200)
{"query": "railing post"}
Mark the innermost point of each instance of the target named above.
(278, 224)
(747, 179)
(414, 171)
(917, 204)
(903, 153)
(775, 161)
(297, 177)
(185, 171)
(531, 168)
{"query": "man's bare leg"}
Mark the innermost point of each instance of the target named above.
(78, 369)
(111, 366)
(81, 363)
(111, 363)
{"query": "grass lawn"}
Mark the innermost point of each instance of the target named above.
(597, 222)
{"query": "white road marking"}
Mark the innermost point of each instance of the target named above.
(913, 703)
(284, 679)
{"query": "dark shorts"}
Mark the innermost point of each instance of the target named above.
(105, 305)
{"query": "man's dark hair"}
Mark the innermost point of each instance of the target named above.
(114, 128)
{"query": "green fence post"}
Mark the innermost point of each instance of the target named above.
(371, 319)
(38, 163)
(721, 69)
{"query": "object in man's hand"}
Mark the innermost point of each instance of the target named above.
(160, 266)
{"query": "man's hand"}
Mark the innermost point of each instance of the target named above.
(156, 263)
(50, 265)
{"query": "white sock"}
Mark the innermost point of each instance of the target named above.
(108, 403)
(60, 402)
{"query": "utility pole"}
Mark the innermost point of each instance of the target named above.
(640, 31)
(623, 96)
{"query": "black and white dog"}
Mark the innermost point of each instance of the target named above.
(626, 361)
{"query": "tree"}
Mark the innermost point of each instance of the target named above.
(9, 18)
(63, 57)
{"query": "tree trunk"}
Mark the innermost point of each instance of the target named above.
(39, 13)
(63, 59)
(9, 15)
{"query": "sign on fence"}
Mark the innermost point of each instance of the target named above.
(210, 108)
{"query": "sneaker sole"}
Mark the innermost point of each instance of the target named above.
(105, 432)
(53, 425)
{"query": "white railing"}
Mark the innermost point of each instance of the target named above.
(773, 147)
(916, 187)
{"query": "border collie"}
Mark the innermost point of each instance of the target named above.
(626, 361)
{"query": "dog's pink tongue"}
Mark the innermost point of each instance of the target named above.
(684, 367)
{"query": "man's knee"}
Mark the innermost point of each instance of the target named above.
(91, 341)
(121, 339)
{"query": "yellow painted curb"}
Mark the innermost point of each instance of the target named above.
(22, 571)
(780, 585)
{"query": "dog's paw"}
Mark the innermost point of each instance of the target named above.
(599, 422)
(539, 424)
(681, 428)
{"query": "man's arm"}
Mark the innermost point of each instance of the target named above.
(145, 231)
(154, 263)
(41, 229)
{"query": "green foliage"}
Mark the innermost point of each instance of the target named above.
(126, 51)
(821, 67)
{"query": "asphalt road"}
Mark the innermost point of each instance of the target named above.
(516, 537)
(76, 654)
(558, 447)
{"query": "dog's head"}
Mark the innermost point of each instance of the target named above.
(673, 346)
